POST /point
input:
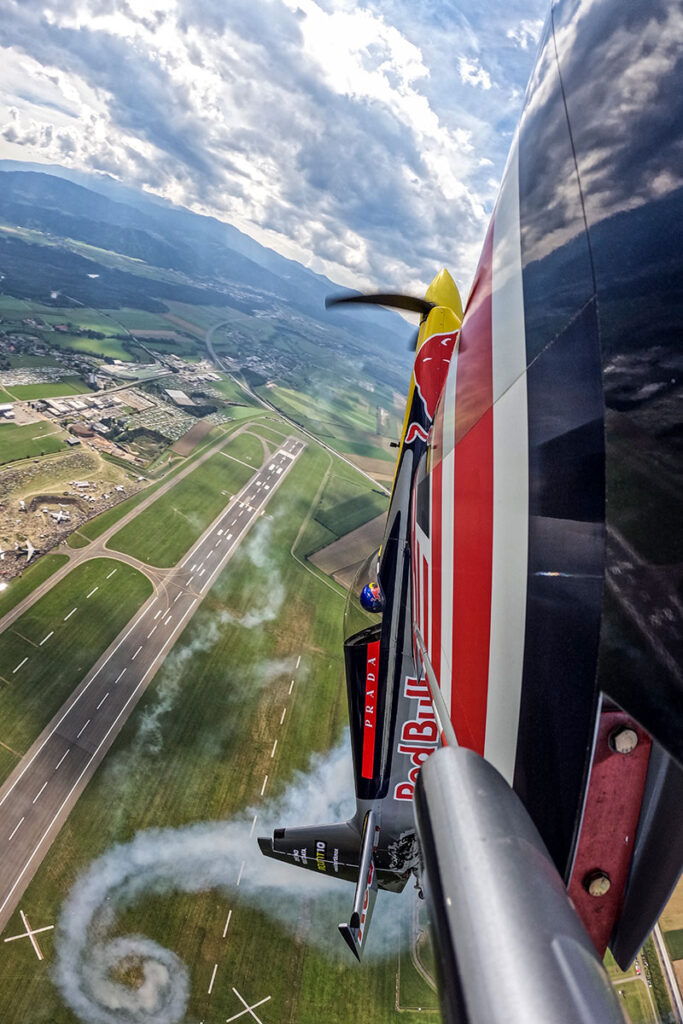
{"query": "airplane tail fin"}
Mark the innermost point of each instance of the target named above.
(341, 850)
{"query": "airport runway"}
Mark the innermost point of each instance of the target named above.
(37, 798)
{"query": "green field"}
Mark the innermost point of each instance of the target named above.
(674, 943)
(19, 587)
(66, 386)
(197, 751)
(28, 440)
(347, 502)
(31, 694)
(167, 529)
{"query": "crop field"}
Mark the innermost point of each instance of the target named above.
(21, 586)
(29, 440)
(193, 761)
(348, 502)
(37, 675)
(167, 529)
(108, 346)
(66, 386)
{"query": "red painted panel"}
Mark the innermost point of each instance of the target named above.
(370, 710)
(425, 598)
(608, 829)
(435, 538)
(474, 386)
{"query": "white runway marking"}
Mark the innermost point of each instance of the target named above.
(83, 728)
(265, 783)
(239, 877)
(177, 597)
(217, 542)
(234, 521)
(46, 638)
(229, 537)
(193, 567)
(19, 665)
(14, 830)
(61, 759)
(220, 533)
(110, 574)
(102, 701)
(247, 1009)
(166, 621)
(30, 933)
(39, 792)
(157, 615)
(200, 565)
(190, 580)
(213, 978)
(119, 676)
(298, 661)
(71, 613)
(291, 686)
(136, 654)
(92, 592)
(272, 753)
(227, 924)
(284, 712)
(253, 826)
(151, 631)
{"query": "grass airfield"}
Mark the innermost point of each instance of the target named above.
(197, 750)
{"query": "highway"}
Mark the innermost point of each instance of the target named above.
(38, 796)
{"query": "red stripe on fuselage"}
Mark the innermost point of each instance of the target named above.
(370, 710)
(435, 540)
(473, 512)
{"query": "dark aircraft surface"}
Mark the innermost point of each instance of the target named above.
(516, 703)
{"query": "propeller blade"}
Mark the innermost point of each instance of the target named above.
(408, 302)
(412, 346)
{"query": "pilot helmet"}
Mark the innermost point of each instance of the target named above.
(371, 598)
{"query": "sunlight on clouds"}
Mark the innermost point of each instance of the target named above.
(472, 73)
(527, 33)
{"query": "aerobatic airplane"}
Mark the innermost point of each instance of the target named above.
(514, 661)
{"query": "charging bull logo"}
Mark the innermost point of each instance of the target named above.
(430, 370)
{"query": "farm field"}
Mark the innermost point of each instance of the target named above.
(26, 441)
(66, 386)
(193, 761)
(35, 677)
(166, 530)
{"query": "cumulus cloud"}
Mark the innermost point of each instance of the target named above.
(527, 33)
(349, 138)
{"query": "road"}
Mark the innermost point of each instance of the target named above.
(37, 798)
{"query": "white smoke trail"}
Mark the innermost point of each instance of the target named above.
(200, 857)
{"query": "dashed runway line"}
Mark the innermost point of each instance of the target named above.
(136, 653)
(119, 676)
(152, 630)
(265, 783)
(239, 877)
(253, 826)
(282, 717)
(92, 592)
(102, 701)
(227, 924)
(46, 638)
(83, 728)
(298, 661)
(272, 753)
(157, 615)
(14, 671)
(110, 574)
(65, 754)
(39, 791)
(15, 830)
(291, 686)
(71, 613)
(166, 621)
(213, 978)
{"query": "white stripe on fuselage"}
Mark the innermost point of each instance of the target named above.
(510, 481)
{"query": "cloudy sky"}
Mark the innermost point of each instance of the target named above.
(364, 140)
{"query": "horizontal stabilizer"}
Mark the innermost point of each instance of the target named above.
(330, 849)
(355, 931)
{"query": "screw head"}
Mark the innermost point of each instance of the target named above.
(623, 740)
(597, 883)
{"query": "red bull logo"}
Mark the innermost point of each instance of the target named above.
(431, 366)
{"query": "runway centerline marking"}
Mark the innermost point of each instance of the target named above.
(227, 924)
(157, 615)
(263, 787)
(253, 826)
(282, 717)
(46, 638)
(166, 621)
(19, 665)
(136, 653)
(239, 877)
(291, 686)
(39, 792)
(61, 759)
(119, 676)
(272, 753)
(110, 574)
(152, 630)
(71, 613)
(102, 701)
(14, 830)
(83, 728)
(92, 592)
(298, 661)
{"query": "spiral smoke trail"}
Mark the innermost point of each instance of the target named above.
(192, 859)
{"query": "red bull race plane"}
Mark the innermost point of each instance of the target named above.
(514, 662)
